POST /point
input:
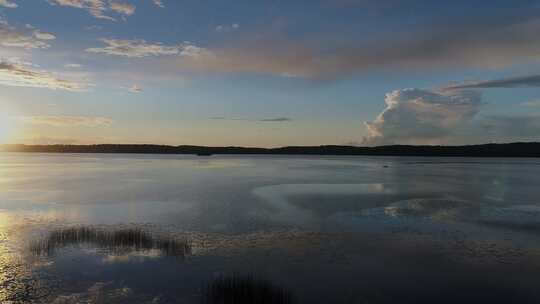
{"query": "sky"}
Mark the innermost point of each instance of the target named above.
(269, 73)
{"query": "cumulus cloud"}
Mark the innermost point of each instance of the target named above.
(513, 82)
(416, 116)
(8, 4)
(11, 37)
(159, 3)
(67, 121)
(139, 48)
(98, 8)
(20, 75)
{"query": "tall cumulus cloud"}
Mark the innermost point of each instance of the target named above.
(417, 116)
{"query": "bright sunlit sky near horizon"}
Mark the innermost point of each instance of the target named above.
(269, 73)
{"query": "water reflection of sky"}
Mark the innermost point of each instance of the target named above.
(330, 229)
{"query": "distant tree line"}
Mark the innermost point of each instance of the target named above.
(531, 149)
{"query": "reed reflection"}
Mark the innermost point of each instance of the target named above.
(239, 289)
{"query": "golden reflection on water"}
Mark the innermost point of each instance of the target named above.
(18, 283)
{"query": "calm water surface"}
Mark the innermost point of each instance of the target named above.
(157, 229)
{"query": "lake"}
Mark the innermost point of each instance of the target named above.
(99, 228)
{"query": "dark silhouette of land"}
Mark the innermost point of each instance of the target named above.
(522, 149)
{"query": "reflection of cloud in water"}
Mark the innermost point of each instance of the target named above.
(117, 242)
(100, 292)
(520, 217)
(136, 256)
(337, 189)
(441, 208)
(220, 164)
(280, 195)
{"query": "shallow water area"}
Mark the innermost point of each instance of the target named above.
(99, 228)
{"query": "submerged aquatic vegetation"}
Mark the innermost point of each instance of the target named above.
(116, 241)
(239, 289)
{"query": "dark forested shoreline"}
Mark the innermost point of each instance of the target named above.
(485, 150)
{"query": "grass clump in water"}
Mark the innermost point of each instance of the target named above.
(120, 241)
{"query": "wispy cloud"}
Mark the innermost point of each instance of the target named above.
(135, 89)
(134, 48)
(20, 75)
(532, 103)
(35, 39)
(99, 8)
(44, 35)
(139, 48)
(278, 119)
(72, 66)
(272, 119)
(122, 8)
(8, 4)
(224, 28)
(483, 44)
(67, 121)
(159, 3)
(512, 127)
(93, 27)
(45, 140)
(513, 82)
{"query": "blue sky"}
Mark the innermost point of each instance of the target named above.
(269, 73)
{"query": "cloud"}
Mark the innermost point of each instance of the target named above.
(72, 66)
(67, 121)
(44, 140)
(513, 82)
(262, 58)
(225, 28)
(190, 50)
(511, 128)
(122, 8)
(532, 103)
(20, 75)
(93, 27)
(44, 35)
(276, 119)
(8, 4)
(135, 89)
(139, 48)
(98, 8)
(416, 116)
(483, 44)
(159, 3)
(11, 37)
